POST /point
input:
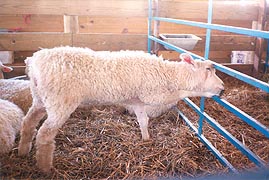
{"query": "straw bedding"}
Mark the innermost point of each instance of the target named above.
(104, 142)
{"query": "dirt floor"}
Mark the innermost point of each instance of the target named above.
(105, 142)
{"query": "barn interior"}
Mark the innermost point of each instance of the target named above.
(104, 142)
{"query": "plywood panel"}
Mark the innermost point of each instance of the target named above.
(122, 25)
(226, 43)
(139, 25)
(132, 8)
(111, 42)
(166, 27)
(225, 10)
(33, 41)
(35, 23)
(217, 56)
(75, 7)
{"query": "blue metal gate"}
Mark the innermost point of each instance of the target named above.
(245, 78)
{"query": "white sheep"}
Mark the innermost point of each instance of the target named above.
(10, 123)
(16, 91)
(63, 77)
(4, 68)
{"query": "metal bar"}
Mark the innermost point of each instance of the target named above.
(267, 58)
(207, 50)
(243, 77)
(156, 26)
(232, 29)
(245, 117)
(238, 75)
(149, 24)
(208, 144)
(246, 151)
(201, 119)
(208, 31)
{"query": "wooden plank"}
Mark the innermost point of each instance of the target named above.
(123, 25)
(138, 25)
(36, 23)
(260, 43)
(71, 24)
(32, 41)
(120, 8)
(225, 10)
(226, 43)
(243, 68)
(217, 56)
(112, 42)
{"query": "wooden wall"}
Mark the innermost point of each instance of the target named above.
(119, 24)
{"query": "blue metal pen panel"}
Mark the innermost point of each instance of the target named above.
(248, 119)
(232, 29)
(243, 77)
(253, 157)
(202, 138)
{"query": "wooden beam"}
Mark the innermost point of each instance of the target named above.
(217, 56)
(112, 42)
(71, 24)
(118, 8)
(120, 25)
(183, 9)
(226, 43)
(32, 41)
(259, 41)
(226, 10)
(36, 23)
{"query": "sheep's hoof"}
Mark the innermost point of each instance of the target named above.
(45, 169)
(24, 149)
(147, 138)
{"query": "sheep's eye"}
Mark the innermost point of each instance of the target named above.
(208, 69)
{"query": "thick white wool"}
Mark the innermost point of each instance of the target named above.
(10, 123)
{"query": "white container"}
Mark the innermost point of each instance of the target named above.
(184, 41)
(242, 57)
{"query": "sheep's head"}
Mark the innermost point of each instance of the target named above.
(4, 68)
(204, 81)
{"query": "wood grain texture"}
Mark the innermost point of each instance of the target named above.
(225, 10)
(36, 23)
(112, 42)
(78, 7)
(182, 9)
(33, 41)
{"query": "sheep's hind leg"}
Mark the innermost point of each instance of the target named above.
(30, 121)
(45, 143)
(142, 119)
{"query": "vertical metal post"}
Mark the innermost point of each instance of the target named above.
(149, 24)
(201, 119)
(267, 58)
(156, 26)
(207, 49)
(208, 31)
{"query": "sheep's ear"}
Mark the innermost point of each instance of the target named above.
(6, 68)
(185, 57)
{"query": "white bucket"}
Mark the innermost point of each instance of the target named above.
(242, 57)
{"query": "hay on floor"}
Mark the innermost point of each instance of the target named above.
(105, 142)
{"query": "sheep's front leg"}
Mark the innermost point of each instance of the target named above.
(142, 119)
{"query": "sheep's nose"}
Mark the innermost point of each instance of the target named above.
(221, 93)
